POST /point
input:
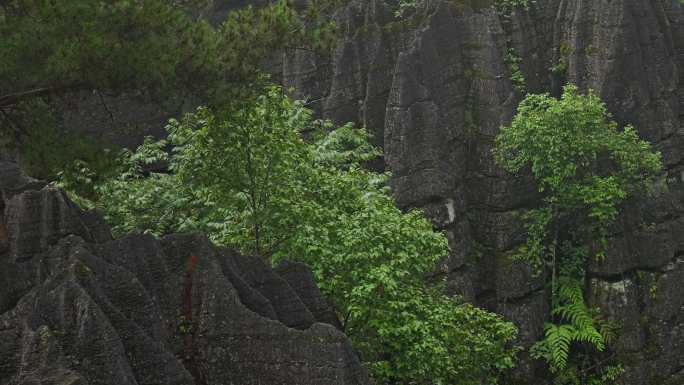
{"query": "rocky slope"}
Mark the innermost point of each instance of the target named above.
(77, 307)
(435, 90)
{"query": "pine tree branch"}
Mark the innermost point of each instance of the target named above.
(14, 98)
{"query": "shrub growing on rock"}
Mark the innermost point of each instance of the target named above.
(248, 179)
(585, 168)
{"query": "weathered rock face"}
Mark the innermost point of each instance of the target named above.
(435, 92)
(120, 121)
(77, 307)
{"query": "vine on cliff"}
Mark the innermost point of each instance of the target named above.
(585, 167)
(513, 60)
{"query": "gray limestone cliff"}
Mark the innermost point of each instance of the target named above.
(78, 308)
(435, 89)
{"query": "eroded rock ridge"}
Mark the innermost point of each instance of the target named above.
(77, 307)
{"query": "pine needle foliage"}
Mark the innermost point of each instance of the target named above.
(155, 50)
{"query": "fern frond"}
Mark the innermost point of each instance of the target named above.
(577, 314)
(590, 336)
(570, 290)
(577, 325)
(559, 338)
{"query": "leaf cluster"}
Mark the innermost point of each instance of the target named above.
(513, 60)
(249, 180)
(577, 326)
(585, 168)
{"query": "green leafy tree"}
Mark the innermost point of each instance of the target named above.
(248, 179)
(245, 161)
(585, 168)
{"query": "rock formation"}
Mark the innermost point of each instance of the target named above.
(77, 307)
(435, 89)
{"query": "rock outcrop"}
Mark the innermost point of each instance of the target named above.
(77, 307)
(435, 88)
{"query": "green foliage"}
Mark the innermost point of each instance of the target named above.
(583, 165)
(151, 48)
(560, 68)
(342, 147)
(150, 45)
(409, 7)
(578, 373)
(508, 6)
(516, 3)
(46, 43)
(512, 59)
(578, 327)
(245, 161)
(585, 168)
(248, 179)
